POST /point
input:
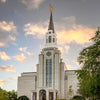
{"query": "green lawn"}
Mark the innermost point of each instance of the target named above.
(4, 99)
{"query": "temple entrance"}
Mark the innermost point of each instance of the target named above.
(42, 95)
(50, 95)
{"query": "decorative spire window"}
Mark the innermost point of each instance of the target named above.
(49, 39)
(53, 39)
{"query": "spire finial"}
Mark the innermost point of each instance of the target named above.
(51, 8)
(51, 26)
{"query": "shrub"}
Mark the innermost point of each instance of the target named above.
(23, 98)
(60, 99)
(77, 98)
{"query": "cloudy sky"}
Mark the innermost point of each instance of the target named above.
(23, 24)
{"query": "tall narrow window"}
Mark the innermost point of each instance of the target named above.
(49, 39)
(53, 39)
(46, 72)
(50, 72)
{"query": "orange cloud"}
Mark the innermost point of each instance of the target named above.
(7, 68)
(2, 82)
(79, 34)
(61, 49)
(36, 30)
(20, 57)
(2, 44)
(4, 56)
(13, 78)
(3, 1)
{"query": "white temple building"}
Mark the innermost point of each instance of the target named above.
(51, 81)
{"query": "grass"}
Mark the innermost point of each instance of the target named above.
(4, 99)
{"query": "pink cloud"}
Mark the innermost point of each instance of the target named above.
(20, 57)
(8, 68)
(4, 56)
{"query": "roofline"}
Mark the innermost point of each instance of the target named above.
(28, 72)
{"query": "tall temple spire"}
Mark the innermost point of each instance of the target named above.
(51, 36)
(51, 25)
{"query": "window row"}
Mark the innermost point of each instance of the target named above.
(49, 40)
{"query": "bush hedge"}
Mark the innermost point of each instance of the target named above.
(60, 99)
(23, 98)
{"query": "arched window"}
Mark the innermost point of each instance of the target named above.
(49, 39)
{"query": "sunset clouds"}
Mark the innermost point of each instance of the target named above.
(24, 49)
(20, 57)
(8, 68)
(2, 82)
(36, 30)
(8, 32)
(4, 56)
(23, 28)
(68, 32)
(79, 34)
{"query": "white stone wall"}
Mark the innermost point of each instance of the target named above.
(62, 80)
(71, 81)
(26, 83)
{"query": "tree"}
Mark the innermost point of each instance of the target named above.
(3, 94)
(70, 92)
(23, 98)
(77, 97)
(12, 95)
(89, 75)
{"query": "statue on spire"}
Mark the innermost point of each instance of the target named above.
(51, 8)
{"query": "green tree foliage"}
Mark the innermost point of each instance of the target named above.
(23, 98)
(3, 94)
(89, 75)
(77, 98)
(12, 95)
(70, 90)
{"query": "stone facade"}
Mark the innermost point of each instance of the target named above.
(28, 84)
(51, 81)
